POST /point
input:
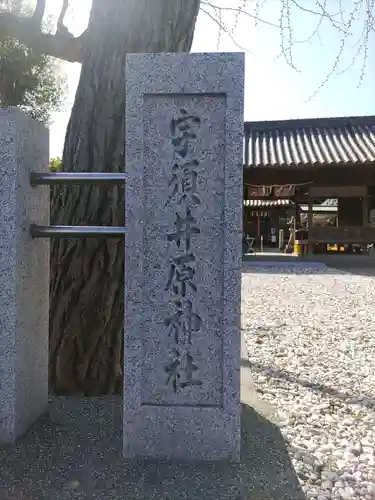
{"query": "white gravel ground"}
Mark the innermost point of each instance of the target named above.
(311, 342)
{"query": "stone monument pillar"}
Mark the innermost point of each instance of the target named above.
(24, 275)
(183, 196)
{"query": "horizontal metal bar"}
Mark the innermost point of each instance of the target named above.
(51, 178)
(77, 231)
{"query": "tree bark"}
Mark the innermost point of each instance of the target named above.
(86, 307)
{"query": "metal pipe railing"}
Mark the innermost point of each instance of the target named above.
(77, 231)
(52, 178)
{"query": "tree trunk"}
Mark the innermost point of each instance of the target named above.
(86, 325)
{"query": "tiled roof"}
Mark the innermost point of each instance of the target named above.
(267, 203)
(310, 142)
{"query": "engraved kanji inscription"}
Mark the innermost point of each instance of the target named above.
(180, 371)
(181, 274)
(184, 183)
(185, 227)
(183, 322)
(183, 131)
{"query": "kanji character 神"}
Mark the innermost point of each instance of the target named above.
(183, 322)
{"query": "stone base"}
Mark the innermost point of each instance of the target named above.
(183, 434)
(76, 452)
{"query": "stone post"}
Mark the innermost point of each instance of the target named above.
(183, 255)
(24, 275)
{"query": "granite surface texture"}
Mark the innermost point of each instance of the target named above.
(24, 275)
(183, 197)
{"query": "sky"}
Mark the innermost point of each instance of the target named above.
(273, 89)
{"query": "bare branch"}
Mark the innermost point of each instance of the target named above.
(286, 49)
(222, 27)
(29, 33)
(239, 10)
(363, 46)
(38, 15)
(343, 41)
(315, 33)
(323, 14)
(339, 14)
(62, 30)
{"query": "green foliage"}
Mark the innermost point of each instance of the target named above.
(29, 80)
(55, 164)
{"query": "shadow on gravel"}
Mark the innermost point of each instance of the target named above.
(75, 453)
(295, 269)
(279, 267)
(273, 372)
(359, 271)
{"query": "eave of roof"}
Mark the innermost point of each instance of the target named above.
(310, 142)
(328, 205)
(268, 203)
